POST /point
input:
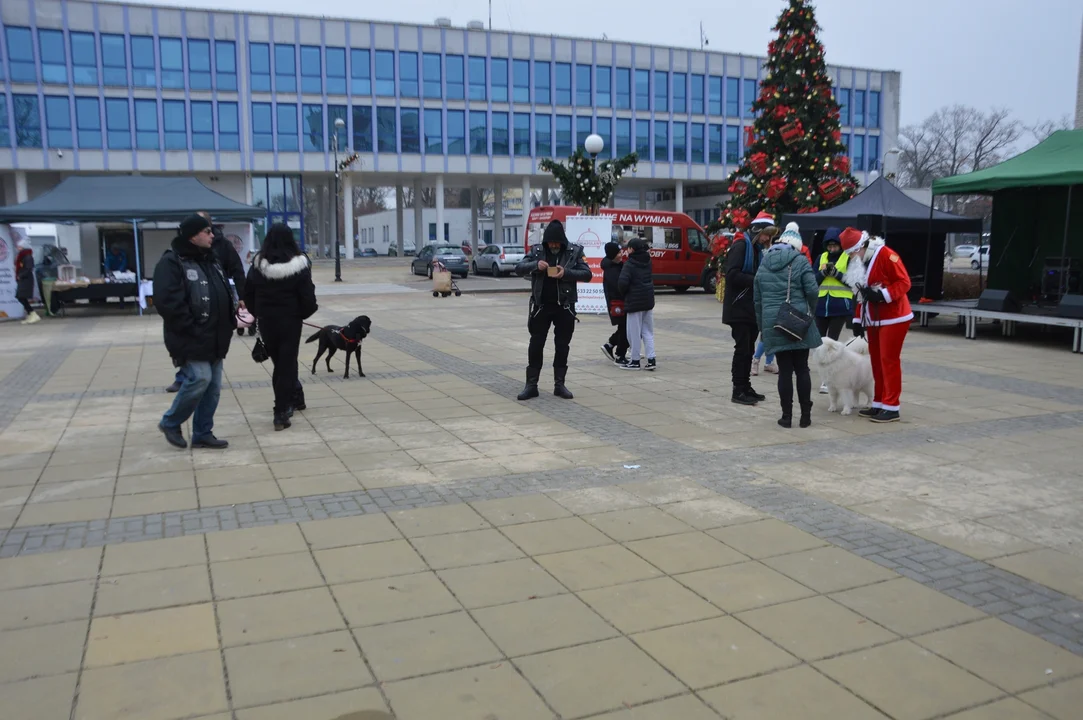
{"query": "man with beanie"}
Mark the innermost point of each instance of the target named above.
(554, 268)
(617, 346)
(194, 299)
(738, 309)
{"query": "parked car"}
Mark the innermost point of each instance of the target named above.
(407, 251)
(979, 258)
(452, 257)
(467, 250)
(369, 252)
(964, 251)
(497, 259)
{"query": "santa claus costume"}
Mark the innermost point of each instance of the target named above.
(882, 314)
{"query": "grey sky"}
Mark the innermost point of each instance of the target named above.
(1019, 54)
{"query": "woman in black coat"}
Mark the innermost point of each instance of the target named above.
(24, 280)
(617, 347)
(280, 293)
(636, 286)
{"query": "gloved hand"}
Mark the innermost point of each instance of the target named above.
(875, 296)
(859, 330)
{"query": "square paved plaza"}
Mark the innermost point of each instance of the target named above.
(420, 545)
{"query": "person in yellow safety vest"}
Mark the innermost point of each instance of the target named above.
(835, 306)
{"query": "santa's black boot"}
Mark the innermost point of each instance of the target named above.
(530, 390)
(806, 414)
(559, 389)
(786, 420)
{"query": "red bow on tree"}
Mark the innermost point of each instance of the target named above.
(781, 112)
(739, 218)
(836, 135)
(738, 186)
(758, 163)
(775, 187)
(842, 164)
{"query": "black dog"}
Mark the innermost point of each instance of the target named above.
(333, 337)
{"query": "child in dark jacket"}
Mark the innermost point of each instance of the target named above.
(617, 347)
(636, 286)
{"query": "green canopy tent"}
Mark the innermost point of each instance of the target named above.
(1036, 196)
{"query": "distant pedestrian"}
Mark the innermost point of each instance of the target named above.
(738, 310)
(616, 348)
(636, 286)
(197, 308)
(24, 279)
(835, 305)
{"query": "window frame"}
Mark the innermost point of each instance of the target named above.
(660, 95)
(89, 72)
(387, 129)
(116, 137)
(144, 134)
(259, 54)
(313, 128)
(584, 75)
(499, 79)
(562, 84)
(479, 143)
(457, 142)
(410, 133)
(202, 140)
(732, 97)
(623, 99)
(285, 54)
(477, 86)
(287, 127)
(500, 129)
(563, 147)
(521, 137)
(54, 71)
(171, 77)
(642, 92)
(520, 92)
(58, 130)
(21, 66)
(433, 118)
(225, 65)
(409, 74)
(455, 66)
(432, 76)
(113, 75)
(174, 136)
(222, 131)
(360, 72)
(543, 135)
(93, 129)
(194, 74)
(543, 82)
(680, 92)
(334, 70)
(362, 117)
(311, 77)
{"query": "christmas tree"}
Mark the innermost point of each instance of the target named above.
(794, 160)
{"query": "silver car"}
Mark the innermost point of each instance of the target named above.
(497, 259)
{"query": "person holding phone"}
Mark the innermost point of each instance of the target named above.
(738, 310)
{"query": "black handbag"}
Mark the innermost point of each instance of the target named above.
(259, 350)
(790, 320)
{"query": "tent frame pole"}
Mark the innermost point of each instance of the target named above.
(138, 265)
(929, 249)
(1065, 264)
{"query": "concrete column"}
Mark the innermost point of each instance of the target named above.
(474, 219)
(347, 214)
(440, 209)
(498, 211)
(420, 236)
(321, 220)
(678, 196)
(642, 198)
(543, 194)
(400, 244)
(526, 206)
(21, 194)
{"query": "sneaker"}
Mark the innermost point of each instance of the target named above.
(629, 365)
(751, 392)
(741, 397)
(174, 387)
(607, 349)
(210, 442)
(869, 412)
(771, 368)
(282, 421)
(823, 388)
(755, 366)
(173, 436)
(651, 364)
(620, 360)
(886, 416)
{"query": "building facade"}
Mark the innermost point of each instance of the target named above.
(250, 104)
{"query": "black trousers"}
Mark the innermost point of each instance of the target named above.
(830, 326)
(619, 338)
(26, 305)
(282, 339)
(790, 363)
(563, 323)
(744, 346)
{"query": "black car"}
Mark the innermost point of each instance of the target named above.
(369, 252)
(451, 256)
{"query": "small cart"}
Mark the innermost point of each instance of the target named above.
(442, 283)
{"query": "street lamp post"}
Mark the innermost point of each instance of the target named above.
(594, 145)
(339, 125)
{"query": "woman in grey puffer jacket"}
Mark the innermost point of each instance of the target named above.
(784, 271)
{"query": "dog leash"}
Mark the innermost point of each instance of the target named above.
(341, 334)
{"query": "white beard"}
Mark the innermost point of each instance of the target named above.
(855, 271)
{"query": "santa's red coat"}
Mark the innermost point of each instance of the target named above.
(885, 272)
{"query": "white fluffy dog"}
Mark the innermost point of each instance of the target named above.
(847, 370)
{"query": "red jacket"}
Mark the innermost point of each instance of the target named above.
(887, 273)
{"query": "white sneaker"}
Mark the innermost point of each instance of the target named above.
(755, 366)
(772, 368)
(823, 388)
(32, 318)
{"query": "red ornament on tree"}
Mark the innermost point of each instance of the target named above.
(782, 111)
(842, 164)
(792, 132)
(738, 186)
(740, 218)
(750, 135)
(830, 189)
(836, 135)
(758, 163)
(775, 187)
(807, 209)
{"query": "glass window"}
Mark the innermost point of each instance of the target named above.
(58, 121)
(874, 108)
(697, 143)
(499, 79)
(749, 87)
(501, 145)
(411, 130)
(173, 125)
(859, 108)
(661, 91)
(520, 71)
(857, 152)
(844, 105)
(603, 91)
(624, 137)
(286, 70)
(624, 88)
(54, 61)
(643, 89)
(335, 70)
(311, 70)
(477, 79)
(564, 136)
(146, 124)
(262, 127)
(312, 127)
(697, 95)
(714, 95)
(229, 129)
(88, 122)
(564, 84)
(172, 54)
(582, 86)
(543, 83)
(643, 140)
(362, 128)
(225, 64)
(386, 130)
(846, 142)
(114, 60)
(680, 142)
(605, 130)
(408, 85)
(84, 59)
(714, 148)
(360, 73)
(118, 128)
(873, 152)
(733, 144)
(385, 73)
(456, 132)
(5, 134)
(259, 63)
(199, 64)
(434, 131)
(286, 132)
(202, 125)
(733, 102)
(432, 75)
(582, 130)
(21, 57)
(456, 80)
(479, 130)
(522, 134)
(341, 135)
(543, 136)
(680, 92)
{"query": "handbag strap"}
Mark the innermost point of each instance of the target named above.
(789, 282)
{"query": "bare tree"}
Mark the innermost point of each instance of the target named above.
(1042, 130)
(919, 155)
(992, 135)
(368, 200)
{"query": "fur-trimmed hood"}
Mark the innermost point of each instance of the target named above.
(281, 271)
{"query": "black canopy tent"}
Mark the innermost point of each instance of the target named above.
(128, 198)
(883, 209)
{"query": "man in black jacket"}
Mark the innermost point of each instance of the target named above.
(738, 309)
(617, 346)
(636, 286)
(554, 268)
(194, 299)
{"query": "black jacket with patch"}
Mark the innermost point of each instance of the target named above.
(636, 284)
(575, 267)
(195, 302)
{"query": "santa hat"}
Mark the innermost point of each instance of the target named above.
(852, 239)
(792, 236)
(764, 218)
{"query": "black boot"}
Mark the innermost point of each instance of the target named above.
(530, 390)
(559, 388)
(751, 392)
(786, 420)
(282, 421)
(299, 398)
(742, 398)
(806, 414)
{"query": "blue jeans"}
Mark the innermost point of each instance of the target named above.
(759, 353)
(201, 385)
